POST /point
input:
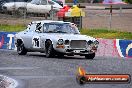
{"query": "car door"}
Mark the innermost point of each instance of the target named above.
(31, 8)
(37, 41)
(39, 6)
(27, 36)
(44, 7)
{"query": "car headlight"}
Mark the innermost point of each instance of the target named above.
(93, 43)
(90, 42)
(96, 42)
(60, 42)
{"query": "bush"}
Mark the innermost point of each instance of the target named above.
(128, 1)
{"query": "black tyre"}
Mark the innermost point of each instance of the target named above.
(21, 50)
(22, 11)
(5, 10)
(49, 49)
(90, 56)
(59, 55)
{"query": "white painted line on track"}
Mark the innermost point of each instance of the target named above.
(34, 77)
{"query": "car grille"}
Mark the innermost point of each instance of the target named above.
(78, 44)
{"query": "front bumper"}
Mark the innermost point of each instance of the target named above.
(77, 47)
(69, 51)
(79, 52)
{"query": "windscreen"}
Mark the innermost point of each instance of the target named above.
(60, 28)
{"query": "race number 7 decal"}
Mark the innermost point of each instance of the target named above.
(36, 41)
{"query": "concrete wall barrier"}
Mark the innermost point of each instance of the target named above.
(124, 48)
(115, 48)
(107, 47)
(7, 40)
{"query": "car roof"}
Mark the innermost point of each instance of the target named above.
(49, 21)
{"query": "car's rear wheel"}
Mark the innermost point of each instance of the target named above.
(21, 49)
(22, 11)
(4, 10)
(49, 50)
(90, 56)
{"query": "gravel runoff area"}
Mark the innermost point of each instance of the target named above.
(94, 19)
(34, 70)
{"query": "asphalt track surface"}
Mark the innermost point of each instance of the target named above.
(34, 70)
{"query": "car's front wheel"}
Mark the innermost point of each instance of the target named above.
(21, 50)
(90, 56)
(60, 55)
(49, 50)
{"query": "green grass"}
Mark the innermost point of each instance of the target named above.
(107, 33)
(97, 33)
(11, 28)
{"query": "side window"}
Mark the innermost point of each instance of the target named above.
(37, 2)
(43, 2)
(51, 3)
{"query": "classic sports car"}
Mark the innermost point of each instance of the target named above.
(35, 6)
(55, 38)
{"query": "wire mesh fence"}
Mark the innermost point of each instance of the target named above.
(120, 19)
(94, 19)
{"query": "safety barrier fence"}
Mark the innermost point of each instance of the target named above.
(115, 48)
(94, 19)
(107, 47)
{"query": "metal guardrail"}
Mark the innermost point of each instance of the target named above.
(99, 5)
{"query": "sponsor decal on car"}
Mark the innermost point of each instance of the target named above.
(36, 41)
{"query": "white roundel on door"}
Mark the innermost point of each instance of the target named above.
(36, 41)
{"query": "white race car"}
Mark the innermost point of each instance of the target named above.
(35, 6)
(55, 38)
